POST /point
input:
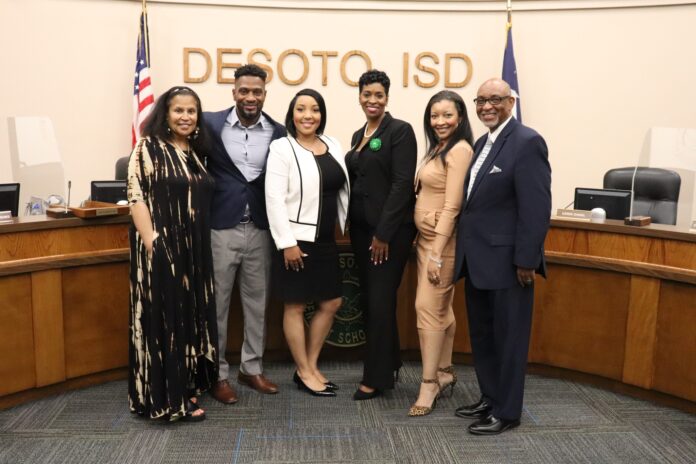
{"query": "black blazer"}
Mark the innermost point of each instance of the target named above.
(387, 175)
(232, 191)
(504, 221)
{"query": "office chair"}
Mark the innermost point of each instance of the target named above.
(122, 168)
(656, 191)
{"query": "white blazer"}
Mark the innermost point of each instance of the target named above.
(293, 191)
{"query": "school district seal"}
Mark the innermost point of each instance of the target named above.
(348, 329)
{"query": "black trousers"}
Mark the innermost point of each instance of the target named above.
(500, 323)
(378, 287)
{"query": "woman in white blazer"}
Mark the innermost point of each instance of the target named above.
(307, 191)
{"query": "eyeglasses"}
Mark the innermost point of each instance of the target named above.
(494, 100)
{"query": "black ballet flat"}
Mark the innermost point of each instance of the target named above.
(360, 395)
(326, 392)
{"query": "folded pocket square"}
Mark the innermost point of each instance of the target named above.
(495, 170)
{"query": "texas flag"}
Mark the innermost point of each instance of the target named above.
(510, 72)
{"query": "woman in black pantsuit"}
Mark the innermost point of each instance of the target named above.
(382, 164)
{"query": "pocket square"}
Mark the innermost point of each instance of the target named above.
(495, 170)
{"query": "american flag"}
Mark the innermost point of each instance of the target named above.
(143, 98)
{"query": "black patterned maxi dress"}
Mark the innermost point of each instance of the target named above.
(173, 331)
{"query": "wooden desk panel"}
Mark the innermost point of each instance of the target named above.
(95, 300)
(675, 355)
(619, 302)
(17, 362)
(579, 320)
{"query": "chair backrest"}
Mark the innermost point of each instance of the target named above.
(122, 168)
(656, 191)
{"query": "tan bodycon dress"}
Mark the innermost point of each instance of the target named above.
(440, 189)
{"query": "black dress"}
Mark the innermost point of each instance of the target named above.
(173, 324)
(320, 279)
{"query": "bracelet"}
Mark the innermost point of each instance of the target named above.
(436, 261)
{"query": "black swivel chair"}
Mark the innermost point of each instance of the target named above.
(656, 191)
(122, 168)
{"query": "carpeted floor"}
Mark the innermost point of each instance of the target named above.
(563, 422)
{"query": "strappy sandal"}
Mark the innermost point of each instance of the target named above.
(448, 370)
(192, 407)
(418, 411)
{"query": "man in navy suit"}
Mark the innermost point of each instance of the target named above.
(240, 238)
(500, 247)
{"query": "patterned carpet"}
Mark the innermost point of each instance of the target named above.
(563, 422)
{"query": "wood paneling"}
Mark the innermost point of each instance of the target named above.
(95, 308)
(49, 348)
(581, 321)
(17, 367)
(641, 331)
(675, 355)
(42, 243)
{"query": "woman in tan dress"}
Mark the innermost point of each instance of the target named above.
(440, 190)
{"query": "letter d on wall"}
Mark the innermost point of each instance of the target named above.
(187, 67)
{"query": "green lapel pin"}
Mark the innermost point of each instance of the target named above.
(375, 144)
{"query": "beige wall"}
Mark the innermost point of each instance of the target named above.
(593, 81)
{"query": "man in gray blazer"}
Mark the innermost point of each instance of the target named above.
(240, 238)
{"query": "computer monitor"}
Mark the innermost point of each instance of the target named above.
(9, 198)
(616, 203)
(109, 191)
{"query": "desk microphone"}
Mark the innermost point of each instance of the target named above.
(67, 203)
(566, 206)
(635, 220)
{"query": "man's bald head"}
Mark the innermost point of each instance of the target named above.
(490, 113)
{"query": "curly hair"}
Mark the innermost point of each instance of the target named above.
(250, 70)
(374, 76)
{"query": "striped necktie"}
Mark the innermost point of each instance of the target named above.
(477, 165)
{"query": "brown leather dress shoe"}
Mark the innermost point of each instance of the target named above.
(223, 392)
(258, 382)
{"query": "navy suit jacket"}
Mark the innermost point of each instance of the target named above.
(232, 191)
(503, 223)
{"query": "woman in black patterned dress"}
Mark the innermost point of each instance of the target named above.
(173, 331)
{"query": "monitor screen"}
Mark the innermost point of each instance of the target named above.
(109, 191)
(616, 203)
(9, 198)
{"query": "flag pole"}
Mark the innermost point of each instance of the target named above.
(147, 33)
(509, 13)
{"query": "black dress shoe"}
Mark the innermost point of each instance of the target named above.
(478, 410)
(360, 395)
(492, 425)
(301, 386)
(330, 385)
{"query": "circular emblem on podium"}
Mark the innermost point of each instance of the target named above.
(348, 329)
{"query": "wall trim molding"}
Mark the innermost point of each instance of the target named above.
(481, 6)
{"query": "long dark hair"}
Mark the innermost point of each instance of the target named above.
(462, 132)
(289, 120)
(156, 123)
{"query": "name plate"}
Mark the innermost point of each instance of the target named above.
(106, 211)
(5, 215)
(578, 214)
